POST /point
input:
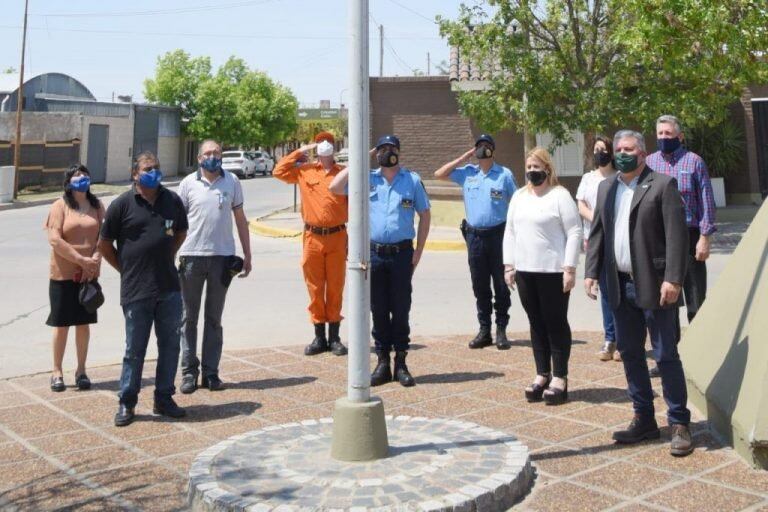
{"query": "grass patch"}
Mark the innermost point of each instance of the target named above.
(447, 213)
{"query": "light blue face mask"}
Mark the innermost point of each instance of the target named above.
(82, 184)
(151, 178)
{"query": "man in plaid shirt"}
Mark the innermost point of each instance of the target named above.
(696, 188)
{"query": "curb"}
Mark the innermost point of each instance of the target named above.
(263, 229)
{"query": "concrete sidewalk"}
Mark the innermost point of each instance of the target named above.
(59, 451)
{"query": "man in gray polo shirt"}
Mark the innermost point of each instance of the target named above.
(211, 196)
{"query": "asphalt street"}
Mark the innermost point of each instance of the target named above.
(266, 309)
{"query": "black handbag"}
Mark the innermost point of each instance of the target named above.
(91, 297)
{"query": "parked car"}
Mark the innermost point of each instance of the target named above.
(264, 162)
(239, 163)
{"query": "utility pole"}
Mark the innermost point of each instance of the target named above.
(359, 427)
(381, 50)
(429, 64)
(19, 105)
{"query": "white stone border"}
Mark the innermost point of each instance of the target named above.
(503, 488)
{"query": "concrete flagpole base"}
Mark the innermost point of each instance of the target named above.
(359, 431)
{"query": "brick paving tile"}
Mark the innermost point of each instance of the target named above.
(570, 445)
(627, 479)
(565, 497)
(562, 461)
(738, 474)
(701, 497)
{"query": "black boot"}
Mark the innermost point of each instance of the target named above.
(319, 344)
(502, 342)
(334, 341)
(483, 338)
(383, 372)
(402, 375)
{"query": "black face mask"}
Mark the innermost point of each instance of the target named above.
(482, 152)
(601, 159)
(536, 177)
(388, 158)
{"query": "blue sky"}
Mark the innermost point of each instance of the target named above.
(113, 46)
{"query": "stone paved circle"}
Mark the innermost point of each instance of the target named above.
(433, 464)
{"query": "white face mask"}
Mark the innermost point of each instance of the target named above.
(325, 148)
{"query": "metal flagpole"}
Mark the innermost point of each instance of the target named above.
(359, 383)
(19, 108)
(359, 426)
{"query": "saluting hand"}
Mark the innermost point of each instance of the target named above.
(669, 293)
(467, 156)
(308, 147)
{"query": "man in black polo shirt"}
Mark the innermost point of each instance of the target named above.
(149, 224)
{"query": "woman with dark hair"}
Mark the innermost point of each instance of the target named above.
(586, 196)
(73, 231)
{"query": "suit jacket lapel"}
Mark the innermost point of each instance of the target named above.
(643, 184)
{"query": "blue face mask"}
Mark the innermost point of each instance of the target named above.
(668, 145)
(151, 178)
(211, 164)
(82, 184)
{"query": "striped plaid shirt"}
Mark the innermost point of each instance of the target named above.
(692, 177)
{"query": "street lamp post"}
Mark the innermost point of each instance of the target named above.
(359, 428)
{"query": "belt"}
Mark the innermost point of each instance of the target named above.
(625, 276)
(499, 228)
(386, 249)
(317, 230)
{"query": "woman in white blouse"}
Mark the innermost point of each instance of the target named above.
(541, 250)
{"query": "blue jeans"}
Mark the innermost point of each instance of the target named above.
(391, 299)
(631, 326)
(165, 313)
(609, 327)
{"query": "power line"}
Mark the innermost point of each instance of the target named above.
(431, 20)
(158, 12)
(192, 34)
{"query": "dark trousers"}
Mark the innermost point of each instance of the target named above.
(542, 297)
(165, 313)
(609, 326)
(486, 266)
(391, 299)
(632, 323)
(194, 272)
(695, 283)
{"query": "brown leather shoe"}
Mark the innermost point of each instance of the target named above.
(681, 444)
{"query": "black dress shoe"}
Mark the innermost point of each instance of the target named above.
(213, 383)
(83, 382)
(57, 384)
(640, 429)
(188, 384)
(167, 407)
(383, 371)
(534, 392)
(319, 344)
(483, 339)
(402, 375)
(124, 416)
(502, 342)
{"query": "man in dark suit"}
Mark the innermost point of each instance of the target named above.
(638, 249)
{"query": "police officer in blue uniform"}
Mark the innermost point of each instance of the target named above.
(396, 196)
(487, 189)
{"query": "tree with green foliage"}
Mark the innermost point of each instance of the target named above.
(236, 105)
(591, 65)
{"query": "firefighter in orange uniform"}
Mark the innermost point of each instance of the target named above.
(325, 238)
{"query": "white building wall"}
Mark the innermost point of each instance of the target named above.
(119, 145)
(168, 149)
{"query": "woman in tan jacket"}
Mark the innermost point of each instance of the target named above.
(73, 231)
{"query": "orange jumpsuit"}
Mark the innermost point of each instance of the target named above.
(325, 256)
